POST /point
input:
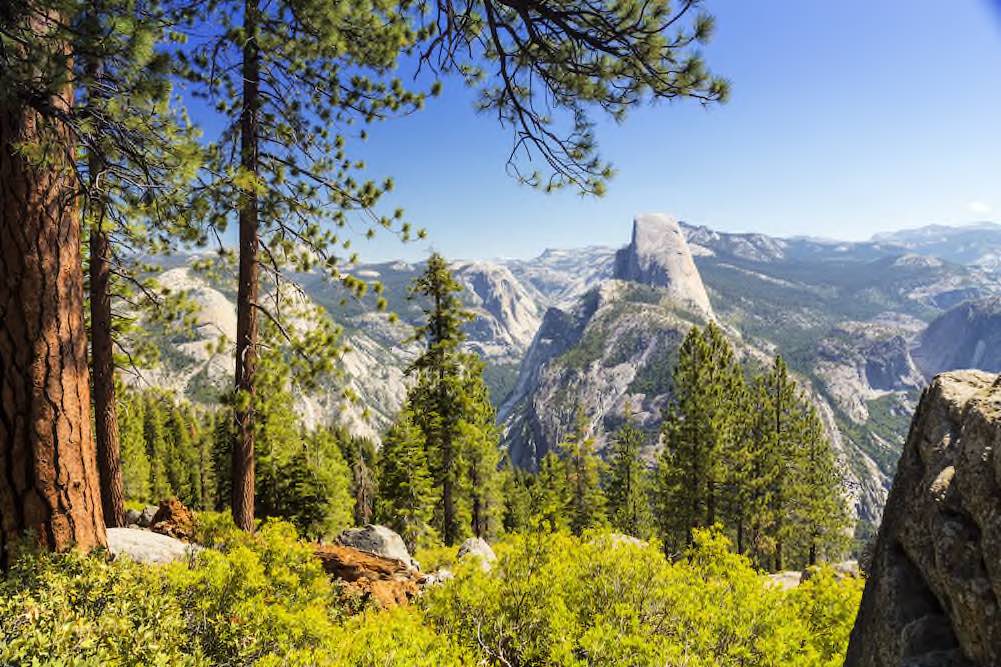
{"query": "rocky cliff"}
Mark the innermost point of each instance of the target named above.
(658, 256)
(967, 336)
(934, 585)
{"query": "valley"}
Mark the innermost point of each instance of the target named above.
(865, 326)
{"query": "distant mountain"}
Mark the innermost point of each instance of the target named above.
(977, 245)
(863, 325)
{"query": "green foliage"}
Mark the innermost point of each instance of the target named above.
(553, 599)
(753, 459)
(406, 493)
(550, 599)
(628, 482)
(585, 498)
(449, 406)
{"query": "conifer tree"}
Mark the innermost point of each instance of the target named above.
(157, 446)
(782, 420)
(362, 459)
(516, 488)
(541, 68)
(450, 405)
(700, 430)
(586, 504)
(820, 512)
(551, 494)
(287, 79)
(407, 496)
(135, 460)
(628, 482)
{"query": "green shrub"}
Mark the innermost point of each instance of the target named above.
(552, 599)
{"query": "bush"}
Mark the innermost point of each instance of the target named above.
(550, 599)
(599, 600)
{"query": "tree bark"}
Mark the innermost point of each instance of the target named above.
(102, 361)
(248, 287)
(48, 469)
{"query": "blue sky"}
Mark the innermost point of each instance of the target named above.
(846, 118)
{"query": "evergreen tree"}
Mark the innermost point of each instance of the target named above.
(700, 429)
(157, 446)
(282, 75)
(451, 407)
(516, 488)
(586, 500)
(134, 457)
(362, 459)
(551, 494)
(407, 495)
(628, 482)
(820, 512)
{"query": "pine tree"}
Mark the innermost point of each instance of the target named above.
(407, 495)
(361, 456)
(701, 430)
(586, 501)
(282, 75)
(135, 460)
(516, 488)
(157, 446)
(628, 487)
(551, 494)
(439, 401)
(819, 512)
(782, 419)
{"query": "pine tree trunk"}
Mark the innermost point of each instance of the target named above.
(48, 469)
(248, 287)
(102, 361)
(740, 536)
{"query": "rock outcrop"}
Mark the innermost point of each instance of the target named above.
(477, 547)
(387, 582)
(378, 540)
(173, 519)
(147, 547)
(932, 597)
(659, 256)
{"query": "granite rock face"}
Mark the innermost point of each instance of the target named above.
(934, 586)
(659, 256)
(378, 540)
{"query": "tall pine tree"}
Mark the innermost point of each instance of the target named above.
(628, 481)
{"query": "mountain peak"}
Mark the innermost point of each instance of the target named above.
(658, 255)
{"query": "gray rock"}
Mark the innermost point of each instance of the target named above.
(842, 570)
(659, 256)
(378, 540)
(477, 547)
(132, 517)
(934, 586)
(146, 516)
(786, 579)
(144, 546)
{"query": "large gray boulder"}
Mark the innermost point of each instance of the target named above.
(932, 597)
(378, 540)
(477, 547)
(659, 256)
(144, 546)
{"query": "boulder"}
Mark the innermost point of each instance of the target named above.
(477, 547)
(843, 570)
(378, 540)
(387, 582)
(132, 517)
(174, 519)
(145, 519)
(934, 586)
(785, 580)
(144, 546)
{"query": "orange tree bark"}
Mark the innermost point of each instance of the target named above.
(248, 286)
(48, 471)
